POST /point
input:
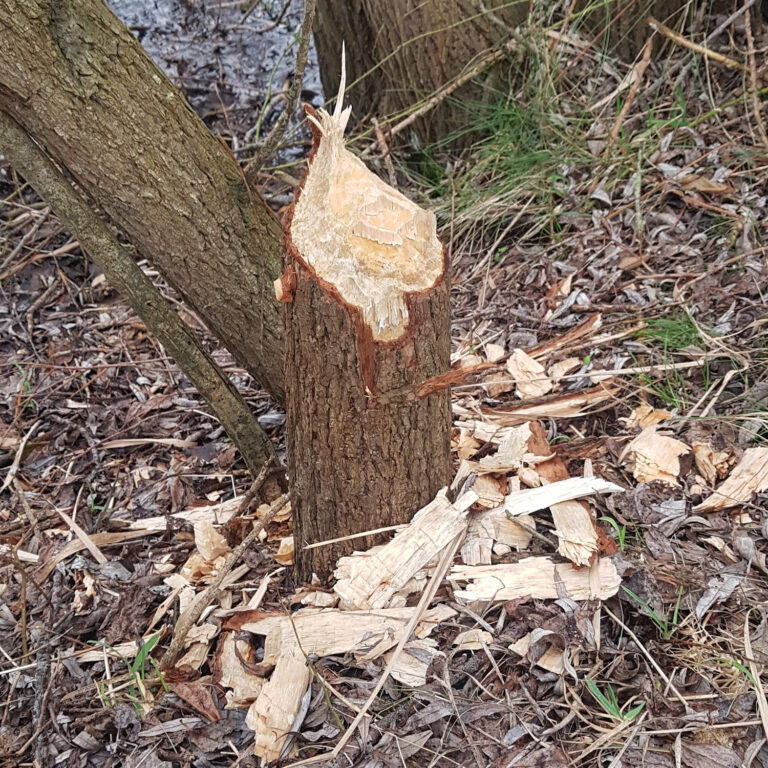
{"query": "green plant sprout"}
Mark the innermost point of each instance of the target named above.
(665, 624)
(611, 704)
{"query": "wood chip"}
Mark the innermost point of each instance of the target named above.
(530, 500)
(494, 526)
(370, 582)
(209, 542)
(273, 714)
(646, 416)
(713, 465)
(284, 554)
(536, 577)
(573, 520)
(654, 456)
(556, 371)
(530, 377)
(551, 660)
(509, 456)
(330, 632)
(243, 685)
(748, 477)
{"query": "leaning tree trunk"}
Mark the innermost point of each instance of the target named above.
(415, 48)
(77, 80)
(368, 322)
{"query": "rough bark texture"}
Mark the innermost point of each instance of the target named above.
(146, 300)
(74, 77)
(357, 464)
(418, 45)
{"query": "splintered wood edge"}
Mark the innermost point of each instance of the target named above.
(365, 242)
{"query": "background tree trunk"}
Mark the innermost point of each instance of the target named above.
(418, 45)
(623, 23)
(74, 77)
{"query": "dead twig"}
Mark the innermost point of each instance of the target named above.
(204, 599)
(291, 99)
(640, 71)
(385, 153)
(696, 47)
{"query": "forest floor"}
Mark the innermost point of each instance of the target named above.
(608, 247)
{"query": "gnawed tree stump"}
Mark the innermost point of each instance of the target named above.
(368, 322)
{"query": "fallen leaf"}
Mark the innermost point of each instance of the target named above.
(198, 696)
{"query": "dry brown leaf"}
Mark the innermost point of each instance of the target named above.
(705, 185)
(530, 377)
(654, 456)
(284, 554)
(198, 695)
(646, 416)
(713, 465)
(748, 477)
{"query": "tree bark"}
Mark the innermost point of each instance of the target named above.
(153, 308)
(74, 77)
(367, 315)
(415, 47)
(620, 26)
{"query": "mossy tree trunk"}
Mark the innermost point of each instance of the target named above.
(74, 77)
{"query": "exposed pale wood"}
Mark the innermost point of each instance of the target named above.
(327, 632)
(530, 376)
(494, 526)
(370, 582)
(536, 577)
(749, 476)
(361, 236)
(654, 456)
(512, 448)
(530, 500)
(274, 712)
(574, 523)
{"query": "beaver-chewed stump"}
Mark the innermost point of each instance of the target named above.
(368, 322)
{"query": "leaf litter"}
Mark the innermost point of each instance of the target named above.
(605, 604)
